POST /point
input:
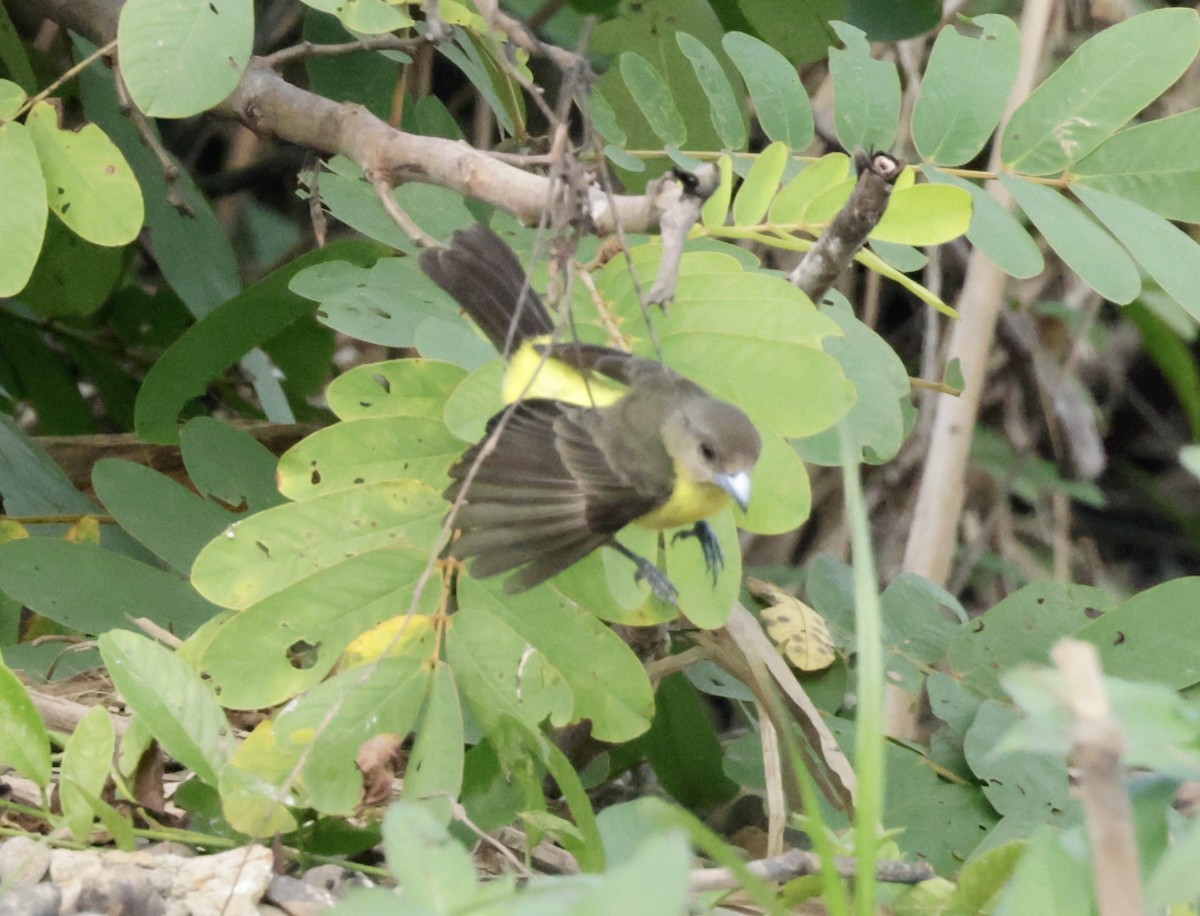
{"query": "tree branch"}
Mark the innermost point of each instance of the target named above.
(270, 106)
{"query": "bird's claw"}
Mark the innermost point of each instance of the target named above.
(660, 585)
(714, 558)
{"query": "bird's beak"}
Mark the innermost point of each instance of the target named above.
(736, 485)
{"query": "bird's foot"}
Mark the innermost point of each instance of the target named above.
(660, 585)
(714, 559)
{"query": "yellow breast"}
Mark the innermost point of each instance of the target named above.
(689, 503)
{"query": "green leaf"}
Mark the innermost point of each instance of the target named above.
(301, 630)
(1086, 248)
(904, 258)
(1176, 878)
(780, 102)
(370, 450)
(893, 21)
(435, 767)
(1148, 636)
(366, 78)
(683, 748)
(791, 203)
(223, 336)
(334, 719)
(653, 98)
(1169, 255)
(994, 230)
(182, 57)
(181, 242)
(927, 214)
(1021, 628)
(73, 584)
(604, 119)
(1151, 164)
(399, 387)
(654, 880)
(12, 97)
(499, 89)
(88, 182)
(716, 208)
(30, 480)
(1173, 358)
(169, 519)
(965, 88)
(607, 681)
(229, 465)
(649, 29)
(944, 821)
(435, 870)
(168, 695)
(278, 547)
(23, 216)
(726, 113)
(367, 17)
(866, 93)
(984, 877)
(361, 299)
(254, 800)
(741, 335)
(1026, 786)
(1108, 80)
(86, 762)
(1049, 879)
(24, 744)
(500, 674)
(13, 55)
(800, 31)
(756, 192)
(73, 276)
(875, 424)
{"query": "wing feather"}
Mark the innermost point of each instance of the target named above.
(544, 497)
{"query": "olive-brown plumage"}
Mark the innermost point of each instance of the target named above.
(566, 473)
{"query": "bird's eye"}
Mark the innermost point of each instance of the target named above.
(707, 451)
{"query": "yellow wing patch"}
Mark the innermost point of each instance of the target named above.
(531, 375)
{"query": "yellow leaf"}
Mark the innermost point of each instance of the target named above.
(84, 531)
(391, 638)
(12, 531)
(800, 632)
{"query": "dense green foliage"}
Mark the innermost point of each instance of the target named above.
(134, 306)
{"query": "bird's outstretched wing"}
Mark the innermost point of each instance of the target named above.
(543, 498)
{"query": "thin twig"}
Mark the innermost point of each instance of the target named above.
(149, 136)
(366, 43)
(383, 191)
(66, 77)
(796, 863)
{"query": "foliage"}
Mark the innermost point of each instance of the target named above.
(309, 586)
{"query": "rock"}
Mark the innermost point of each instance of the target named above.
(23, 861)
(227, 884)
(299, 898)
(37, 900)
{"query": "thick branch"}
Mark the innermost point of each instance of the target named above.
(796, 863)
(271, 106)
(848, 231)
(1096, 749)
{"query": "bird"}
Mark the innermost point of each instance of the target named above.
(592, 440)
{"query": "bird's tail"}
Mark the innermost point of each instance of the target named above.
(483, 274)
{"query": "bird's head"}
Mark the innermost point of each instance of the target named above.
(714, 442)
